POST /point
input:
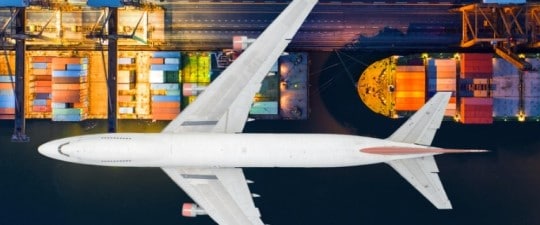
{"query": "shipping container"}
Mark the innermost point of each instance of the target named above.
(476, 65)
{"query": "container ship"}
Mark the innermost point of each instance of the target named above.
(484, 88)
(71, 85)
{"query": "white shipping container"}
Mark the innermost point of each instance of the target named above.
(123, 76)
(156, 76)
(123, 87)
(125, 110)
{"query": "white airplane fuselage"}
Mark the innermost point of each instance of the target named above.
(221, 150)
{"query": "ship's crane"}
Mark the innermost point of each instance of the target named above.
(98, 31)
(18, 17)
(507, 27)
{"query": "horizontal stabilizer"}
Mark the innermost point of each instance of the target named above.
(422, 174)
(421, 127)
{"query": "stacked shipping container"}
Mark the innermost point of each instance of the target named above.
(410, 88)
(442, 77)
(126, 87)
(7, 97)
(196, 75)
(69, 89)
(475, 110)
(41, 82)
(476, 65)
(165, 85)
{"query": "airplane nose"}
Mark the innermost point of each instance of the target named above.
(46, 149)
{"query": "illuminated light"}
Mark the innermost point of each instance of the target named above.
(425, 56)
(284, 69)
(457, 56)
(521, 56)
(521, 116)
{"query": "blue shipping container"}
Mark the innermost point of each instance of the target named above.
(166, 55)
(173, 93)
(66, 111)
(67, 118)
(165, 67)
(59, 105)
(7, 104)
(165, 86)
(69, 73)
(7, 79)
(165, 98)
(40, 101)
(175, 61)
(43, 95)
(8, 93)
(39, 65)
(78, 67)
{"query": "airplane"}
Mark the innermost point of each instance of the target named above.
(203, 150)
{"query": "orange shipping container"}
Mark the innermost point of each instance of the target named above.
(410, 94)
(73, 87)
(164, 110)
(7, 86)
(409, 104)
(39, 72)
(42, 83)
(165, 105)
(41, 108)
(157, 60)
(164, 116)
(40, 89)
(42, 59)
(124, 98)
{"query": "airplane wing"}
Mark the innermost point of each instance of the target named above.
(422, 174)
(224, 107)
(422, 126)
(420, 129)
(222, 193)
(225, 104)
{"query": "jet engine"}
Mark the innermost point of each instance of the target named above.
(192, 210)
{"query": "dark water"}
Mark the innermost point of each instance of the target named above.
(500, 187)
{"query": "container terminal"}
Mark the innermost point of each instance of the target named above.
(61, 58)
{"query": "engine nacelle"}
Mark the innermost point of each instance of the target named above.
(192, 210)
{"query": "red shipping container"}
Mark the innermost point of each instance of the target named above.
(66, 96)
(41, 108)
(68, 80)
(43, 78)
(7, 110)
(7, 116)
